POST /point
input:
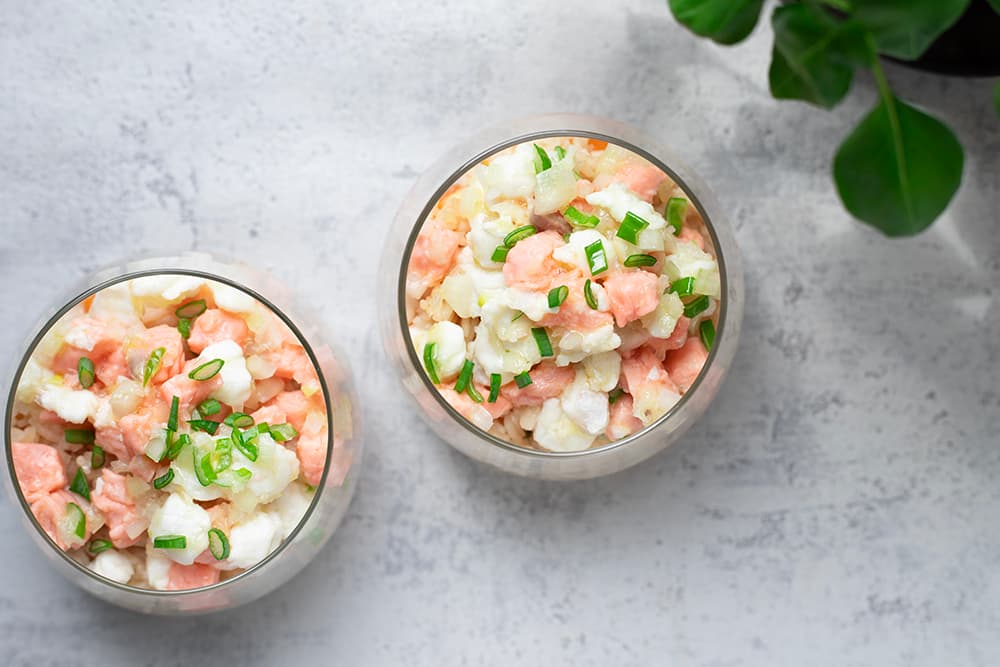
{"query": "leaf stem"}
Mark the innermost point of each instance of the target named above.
(889, 100)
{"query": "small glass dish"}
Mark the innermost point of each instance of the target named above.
(330, 497)
(441, 416)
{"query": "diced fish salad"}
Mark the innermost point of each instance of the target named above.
(563, 294)
(169, 432)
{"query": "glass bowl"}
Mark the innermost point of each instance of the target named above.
(332, 495)
(441, 416)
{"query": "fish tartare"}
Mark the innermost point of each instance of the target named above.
(168, 432)
(563, 294)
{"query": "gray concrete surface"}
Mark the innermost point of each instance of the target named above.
(837, 507)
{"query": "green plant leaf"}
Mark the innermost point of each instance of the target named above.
(996, 5)
(996, 95)
(724, 21)
(814, 55)
(905, 28)
(899, 168)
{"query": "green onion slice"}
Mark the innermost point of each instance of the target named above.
(429, 363)
(615, 394)
(176, 446)
(676, 208)
(707, 332)
(522, 380)
(97, 546)
(557, 295)
(203, 468)
(495, 380)
(85, 372)
(596, 259)
(542, 341)
(542, 159)
(78, 519)
(633, 261)
(223, 454)
(191, 309)
(696, 307)
(500, 254)
(238, 420)
(209, 407)
(474, 393)
(588, 294)
(519, 234)
(170, 542)
(175, 403)
(246, 445)
(682, 286)
(579, 218)
(560, 152)
(630, 228)
(283, 432)
(243, 473)
(97, 457)
(79, 436)
(207, 370)
(164, 479)
(184, 327)
(464, 377)
(218, 544)
(152, 364)
(80, 486)
(206, 425)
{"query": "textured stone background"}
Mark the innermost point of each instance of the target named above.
(838, 507)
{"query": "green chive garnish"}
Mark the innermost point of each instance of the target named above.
(85, 372)
(707, 331)
(542, 160)
(97, 546)
(588, 294)
(633, 261)
(184, 327)
(172, 419)
(164, 479)
(682, 286)
(518, 234)
(283, 432)
(560, 152)
(191, 309)
(519, 315)
(245, 445)
(495, 380)
(203, 468)
(542, 341)
(206, 425)
(170, 542)
(676, 208)
(97, 457)
(223, 454)
(80, 486)
(557, 295)
(522, 380)
(78, 436)
(243, 473)
(596, 259)
(696, 307)
(152, 364)
(207, 371)
(429, 362)
(465, 377)
(175, 447)
(500, 254)
(209, 407)
(80, 529)
(238, 420)
(579, 218)
(218, 544)
(474, 393)
(615, 394)
(630, 228)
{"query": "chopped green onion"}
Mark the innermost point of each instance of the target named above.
(238, 420)
(522, 380)
(152, 364)
(519, 234)
(175, 403)
(676, 208)
(223, 454)
(74, 512)
(175, 447)
(203, 468)
(630, 228)
(243, 473)
(206, 425)
(97, 546)
(495, 380)
(184, 327)
(170, 542)
(80, 486)
(207, 371)
(696, 307)
(707, 331)
(633, 261)
(283, 432)
(247, 446)
(560, 152)
(579, 218)
(85, 372)
(78, 436)
(557, 295)
(97, 457)
(209, 407)
(218, 544)
(588, 294)
(474, 393)
(191, 309)
(542, 160)
(615, 394)
(500, 254)
(542, 341)
(464, 377)
(682, 286)
(429, 363)
(164, 479)
(596, 259)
